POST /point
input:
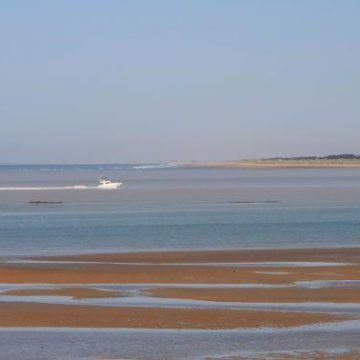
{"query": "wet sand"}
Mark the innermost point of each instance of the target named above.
(77, 293)
(248, 255)
(289, 295)
(47, 315)
(186, 267)
(129, 274)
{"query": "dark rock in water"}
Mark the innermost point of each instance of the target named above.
(255, 202)
(44, 202)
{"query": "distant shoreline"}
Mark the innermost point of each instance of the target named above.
(333, 161)
(275, 163)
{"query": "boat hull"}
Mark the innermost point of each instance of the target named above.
(111, 186)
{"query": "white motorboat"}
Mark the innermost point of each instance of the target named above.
(107, 184)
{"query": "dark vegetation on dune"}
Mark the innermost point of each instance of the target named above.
(328, 157)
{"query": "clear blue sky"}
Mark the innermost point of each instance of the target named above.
(90, 81)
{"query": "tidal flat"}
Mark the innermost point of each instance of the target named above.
(192, 291)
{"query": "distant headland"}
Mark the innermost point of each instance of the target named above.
(331, 161)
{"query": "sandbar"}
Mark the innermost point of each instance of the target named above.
(281, 295)
(342, 254)
(13, 314)
(77, 293)
(166, 267)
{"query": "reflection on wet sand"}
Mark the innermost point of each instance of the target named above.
(249, 290)
(76, 293)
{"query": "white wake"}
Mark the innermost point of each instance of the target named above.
(73, 187)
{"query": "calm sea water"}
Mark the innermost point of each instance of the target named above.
(162, 208)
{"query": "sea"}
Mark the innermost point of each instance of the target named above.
(167, 207)
(58, 209)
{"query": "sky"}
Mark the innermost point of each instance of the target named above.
(147, 81)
